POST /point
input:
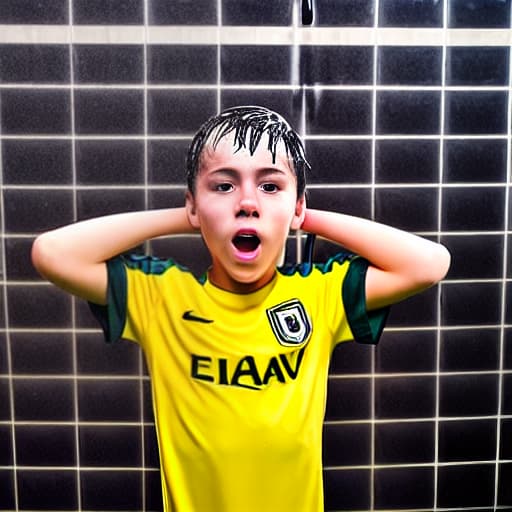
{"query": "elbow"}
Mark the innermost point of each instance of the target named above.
(437, 265)
(43, 255)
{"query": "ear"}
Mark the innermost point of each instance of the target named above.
(300, 213)
(190, 206)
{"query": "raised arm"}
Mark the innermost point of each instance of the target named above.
(402, 264)
(73, 257)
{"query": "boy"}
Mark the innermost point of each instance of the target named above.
(239, 358)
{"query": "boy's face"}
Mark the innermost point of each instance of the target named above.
(244, 206)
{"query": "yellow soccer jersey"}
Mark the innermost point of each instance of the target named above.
(239, 381)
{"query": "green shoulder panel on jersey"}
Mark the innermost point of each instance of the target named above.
(366, 326)
(305, 269)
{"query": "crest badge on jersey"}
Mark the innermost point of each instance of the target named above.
(290, 323)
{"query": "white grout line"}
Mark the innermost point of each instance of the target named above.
(7, 331)
(441, 285)
(73, 299)
(505, 284)
(242, 35)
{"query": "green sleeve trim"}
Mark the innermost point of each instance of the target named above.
(366, 326)
(112, 317)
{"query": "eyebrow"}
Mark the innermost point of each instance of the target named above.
(264, 172)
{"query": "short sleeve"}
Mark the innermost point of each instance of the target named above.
(112, 317)
(366, 326)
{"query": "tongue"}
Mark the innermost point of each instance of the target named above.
(246, 243)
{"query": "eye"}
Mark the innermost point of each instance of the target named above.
(269, 187)
(223, 187)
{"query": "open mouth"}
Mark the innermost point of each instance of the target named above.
(246, 242)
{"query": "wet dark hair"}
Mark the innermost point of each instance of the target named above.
(248, 123)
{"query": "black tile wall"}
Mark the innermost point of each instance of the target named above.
(410, 65)
(414, 132)
(182, 64)
(401, 13)
(481, 14)
(347, 13)
(34, 63)
(247, 12)
(108, 12)
(34, 11)
(102, 64)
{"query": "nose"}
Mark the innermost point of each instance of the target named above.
(248, 205)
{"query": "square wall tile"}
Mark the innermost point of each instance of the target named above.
(112, 162)
(43, 162)
(475, 256)
(348, 399)
(335, 65)
(109, 400)
(35, 111)
(412, 209)
(404, 397)
(468, 395)
(403, 13)
(96, 357)
(466, 486)
(109, 112)
(33, 211)
(50, 400)
(45, 445)
(111, 490)
(110, 446)
(474, 208)
(475, 160)
(409, 65)
(402, 488)
(339, 161)
(406, 352)
(476, 112)
(333, 13)
(347, 489)
(477, 66)
(408, 112)
(346, 445)
(97, 202)
(330, 112)
(182, 64)
(471, 304)
(35, 12)
(38, 307)
(343, 200)
(18, 262)
(468, 440)
(350, 358)
(419, 310)
(50, 490)
(28, 358)
(167, 161)
(108, 12)
(108, 64)
(182, 12)
(406, 161)
(469, 350)
(247, 12)
(31, 63)
(482, 14)
(404, 443)
(179, 111)
(256, 64)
